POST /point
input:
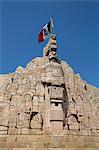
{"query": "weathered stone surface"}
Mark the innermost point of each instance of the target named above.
(24, 93)
(56, 92)
(36, 121)
(61, 95)
(47, 96)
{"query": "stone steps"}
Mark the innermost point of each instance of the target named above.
(42, 142)
(48, 145)
(48, 148)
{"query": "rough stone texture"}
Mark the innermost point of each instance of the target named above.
(47, 88)
(45, 142)
(47, 99)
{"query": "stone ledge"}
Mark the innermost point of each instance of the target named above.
(42, 142)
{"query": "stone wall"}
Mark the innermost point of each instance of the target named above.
(26, 96)
(46, 142)
(83, 103)
(47, 97)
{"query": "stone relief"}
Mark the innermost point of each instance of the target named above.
(47, 93)
(36, 121)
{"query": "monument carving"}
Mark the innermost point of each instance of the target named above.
(46, 97)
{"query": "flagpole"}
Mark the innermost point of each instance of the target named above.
(51, 25)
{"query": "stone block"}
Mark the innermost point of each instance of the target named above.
(40, 89)
(12, 121)
(3, 132)
(12, 88)
(23, 87)
(12, 130)
(73, 122)
(28, 97)
(23, 120)
(56, 105)
(2, 138)
(4, 128)
(79, 109)
(54, 80)
(56, 125)
(56, 115)
(25, 131)
(41, 107)
(6, 97)
(12, 116)
(56, 92)
(41, 99)
(35, 104)
(11, 138)
(32, 131)
(4, 113)
(60, 101)
(19, 130)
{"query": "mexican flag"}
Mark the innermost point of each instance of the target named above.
(45, 32)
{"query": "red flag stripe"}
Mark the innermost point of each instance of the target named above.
(41, 36)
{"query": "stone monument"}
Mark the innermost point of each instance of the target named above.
(46, 105)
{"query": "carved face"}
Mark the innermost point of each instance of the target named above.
(36, 121)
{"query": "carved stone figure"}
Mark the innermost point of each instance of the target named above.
(36, 121)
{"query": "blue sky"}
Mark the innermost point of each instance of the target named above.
(76, 26)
